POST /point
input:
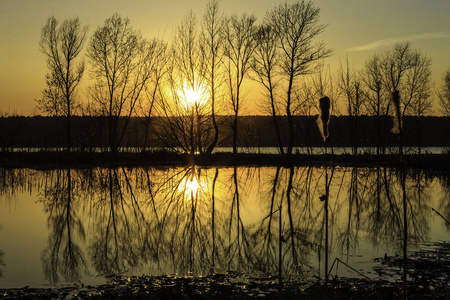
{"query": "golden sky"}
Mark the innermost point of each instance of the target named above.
(356, 28)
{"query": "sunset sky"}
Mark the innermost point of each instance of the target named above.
(355, 28)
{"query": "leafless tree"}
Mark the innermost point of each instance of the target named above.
(418, 86)
(444, 94)
(395, 64)
(418, 101)
(238, 34)
(52, 100)
(158, 60)
(211, 47)
(185, 125)
(297, 27)
(376, 100)
(62, 45)
(265, 64)
(121, 67)
(350, 84)
(406, 71)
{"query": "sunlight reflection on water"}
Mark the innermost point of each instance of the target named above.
(67, 225)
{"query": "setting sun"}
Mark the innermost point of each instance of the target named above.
(192, 96)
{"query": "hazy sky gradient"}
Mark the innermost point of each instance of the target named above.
(355, 28)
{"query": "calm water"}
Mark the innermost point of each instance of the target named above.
(61, 226)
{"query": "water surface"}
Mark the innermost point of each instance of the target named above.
(66, 225)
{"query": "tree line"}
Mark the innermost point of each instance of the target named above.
(202, 72)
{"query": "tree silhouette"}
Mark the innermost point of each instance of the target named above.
(444, 94)
(376, 100)
(122, 66)
(211, 47)
(350, 84)
(2, 262)
(158, 60)
(185, 102)
(63, 256)
(265, 64)
(297, 27)
(61, 46)
(238, 34)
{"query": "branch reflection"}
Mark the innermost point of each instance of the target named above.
(63, 256)
(192, 220)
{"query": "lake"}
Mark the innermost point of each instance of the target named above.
(61, 226)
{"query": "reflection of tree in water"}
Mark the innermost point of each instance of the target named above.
(444, 203)
(181, 220)
(385, 221)
(185, 207)
(294, 193)
(237, 252)
(121, 227)
(13, 181)
(163, 219)
(347, 238)
(63, 256)
(2, 260)
(264, 237)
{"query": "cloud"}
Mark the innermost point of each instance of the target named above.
(380, 43)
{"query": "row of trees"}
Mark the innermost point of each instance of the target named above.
(203, 71)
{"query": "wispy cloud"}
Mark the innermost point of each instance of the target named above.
(380, 43)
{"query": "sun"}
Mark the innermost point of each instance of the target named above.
(192, 96)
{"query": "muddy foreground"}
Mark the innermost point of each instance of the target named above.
(428, 278)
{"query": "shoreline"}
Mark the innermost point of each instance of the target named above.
(47, 159)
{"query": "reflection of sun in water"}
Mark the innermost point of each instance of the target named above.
(192, 185)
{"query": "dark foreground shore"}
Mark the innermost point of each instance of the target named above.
(229, 286)
(162, 158)
(428, 277)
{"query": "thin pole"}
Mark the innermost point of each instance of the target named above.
(280, 245)
(326, 220)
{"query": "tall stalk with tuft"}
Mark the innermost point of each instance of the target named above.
(397, 129)
(324, 105)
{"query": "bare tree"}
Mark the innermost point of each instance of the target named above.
(211, 47)
(52, 100)
(238, 34)
(265, 65)
(395, 64)
(407, 73)
(158, 60)
(444, 94)
(376, 100)
(121, 68)
(417, 89)
(350, 84)
(297, 27)
(186, 101)
(62, 45)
